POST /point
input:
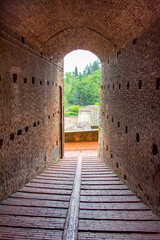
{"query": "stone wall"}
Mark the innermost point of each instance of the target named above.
(29, 114)
(130, 116)
(81, 136)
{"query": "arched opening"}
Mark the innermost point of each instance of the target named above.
(82, 80)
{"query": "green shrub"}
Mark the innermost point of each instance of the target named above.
(97, 104)
(68, 114)
(74, 109)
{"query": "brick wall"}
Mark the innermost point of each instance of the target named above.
(81, 136)
(29, 114)
(130, 116)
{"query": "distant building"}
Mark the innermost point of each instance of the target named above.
(89, 116)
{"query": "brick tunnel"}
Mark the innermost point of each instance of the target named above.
(34, 38)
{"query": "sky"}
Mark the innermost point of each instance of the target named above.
(79, 59)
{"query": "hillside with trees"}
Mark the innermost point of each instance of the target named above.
(83, 88)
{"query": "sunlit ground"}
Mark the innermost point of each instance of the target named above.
(81, 149)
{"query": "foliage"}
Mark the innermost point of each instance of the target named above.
(68, 114)
(97, 103)
(83, 89)
(74, 108)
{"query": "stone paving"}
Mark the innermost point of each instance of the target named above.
(106, 208)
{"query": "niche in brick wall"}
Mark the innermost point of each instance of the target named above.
(26, 129)
(154, 149)
(12, 136)
(19, 132)
(14, 77)
(126, 129)
(22, 40)
(157, 83)
(1, 142)
(134, 41)
(25, 80)
(33, 80)
(137, 137)
(34, 124)
(140, 84)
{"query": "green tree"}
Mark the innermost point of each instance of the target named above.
(76, 71)
(76, 97)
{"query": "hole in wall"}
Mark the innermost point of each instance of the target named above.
(113, 86)
(118, 53)
(40, 82)
(119, 85)
(26, 129)
(38, 122)
(118, 124)
(126, 129)
(108, 86)
(140, 84)
(22, 40)
(25, 80)
(107, 148)
(57, 142)
(128, 85)
(134, 41)
(1, 142)
(137, 137)
(41, 54)
(154, 149)
(48, 83)
(33, 80)
(49, 117)
(19, 132)
(117, 165)
(0, 77)
(157, 83)
(12, 136)
(112, 119)
(111, 156)
(14, 77)
(34, 124)
(125, 177)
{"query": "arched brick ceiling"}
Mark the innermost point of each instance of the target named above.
(57, 27)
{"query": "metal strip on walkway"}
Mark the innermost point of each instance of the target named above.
(71, 226)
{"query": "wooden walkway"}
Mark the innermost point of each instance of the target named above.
(105, 209)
